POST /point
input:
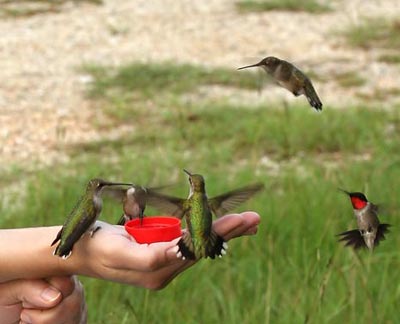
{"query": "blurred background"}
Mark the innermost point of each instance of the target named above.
(138, 90)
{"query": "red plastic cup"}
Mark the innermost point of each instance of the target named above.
(154, 229)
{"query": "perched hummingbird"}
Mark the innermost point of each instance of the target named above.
(289, 77)
(370, 232)
(200, 240)
(82, 217)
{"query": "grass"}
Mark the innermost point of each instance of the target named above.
(349, 79)
(293, 270)
(389, 58)
(27, 8)
(310, 6)
(148, 80)
(375, 33)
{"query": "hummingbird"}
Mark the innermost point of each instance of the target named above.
(133, 200)
(290, 77)
(200, 240)
(82, 217)
(370, 231)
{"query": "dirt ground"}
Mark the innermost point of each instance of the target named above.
(42, 101)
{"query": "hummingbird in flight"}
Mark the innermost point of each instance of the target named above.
(370, 231)
(133, 199)
(200, 240)
(290, 77)
(82, 217)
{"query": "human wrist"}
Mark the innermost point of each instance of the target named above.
(26, 253)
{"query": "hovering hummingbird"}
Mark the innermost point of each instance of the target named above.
(200, 240)
(133, 198)
(82, 217)
(370, 231)
(289, 77)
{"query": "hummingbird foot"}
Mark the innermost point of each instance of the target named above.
(123, 220)
(94, 230)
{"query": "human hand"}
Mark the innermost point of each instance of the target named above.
(112, 254)
(56, 300)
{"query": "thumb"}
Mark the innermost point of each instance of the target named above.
(31, 293)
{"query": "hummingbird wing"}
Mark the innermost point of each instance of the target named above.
(67, 241)
(353, 238)
(115, 192)
(380, 234)
(167, 204)
(224, 203)
(70, 215)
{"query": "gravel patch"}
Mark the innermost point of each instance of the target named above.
(42, 102)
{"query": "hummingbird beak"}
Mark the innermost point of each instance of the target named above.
(345, 191)
(187, 172)
(249, 66)
(116, 184)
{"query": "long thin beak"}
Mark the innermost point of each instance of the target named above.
(249, 66)
(345, 191)
(117, 184)
(187, 172)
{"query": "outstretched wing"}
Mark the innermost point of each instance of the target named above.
(353, 238)
(115, 192)
(380, 234)
(224, 203)
(167, 204)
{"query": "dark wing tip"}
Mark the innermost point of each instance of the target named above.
(380, 234)
(352, 238)
(63, 251)
(216, 246)
(186, 252)
(58, 237)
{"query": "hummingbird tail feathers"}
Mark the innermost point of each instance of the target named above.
(63, 251)
(186, 248)
(312, 97)
(216, 246)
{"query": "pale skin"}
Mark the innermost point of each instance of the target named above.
(111, 254)
(55, 300)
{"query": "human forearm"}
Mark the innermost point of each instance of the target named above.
(111, 254)
(26, 253)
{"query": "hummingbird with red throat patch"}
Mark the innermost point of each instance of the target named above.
(370, 231)
(290, 77)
